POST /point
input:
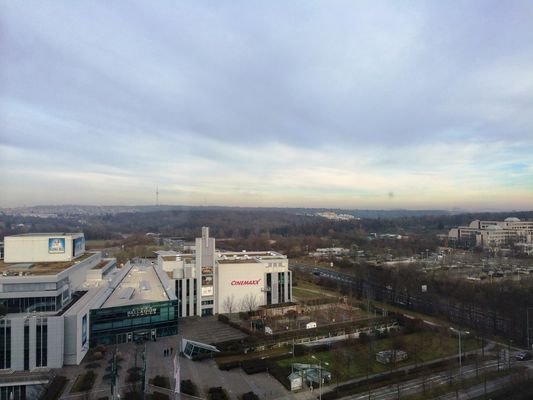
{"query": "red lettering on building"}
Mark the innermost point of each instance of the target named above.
(245, 282)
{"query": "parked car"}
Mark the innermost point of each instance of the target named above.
(523, 356)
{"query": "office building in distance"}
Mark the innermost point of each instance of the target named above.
(488, 234)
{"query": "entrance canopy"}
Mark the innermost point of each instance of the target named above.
(197, 350)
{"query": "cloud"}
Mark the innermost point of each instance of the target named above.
(269, 104)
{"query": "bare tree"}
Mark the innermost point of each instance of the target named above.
(249, 302)
(229, 303)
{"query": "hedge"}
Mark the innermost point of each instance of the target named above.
(54, 389)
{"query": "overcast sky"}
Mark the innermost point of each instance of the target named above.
(352, 104)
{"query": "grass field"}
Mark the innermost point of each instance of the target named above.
(96, 244)
(304, 294)
(351, 361)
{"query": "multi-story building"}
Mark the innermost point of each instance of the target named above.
(493, 233)
(208, 281)
(57, 299)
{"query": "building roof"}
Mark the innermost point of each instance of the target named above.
(140, 285)
(39, 268)
(47, 234)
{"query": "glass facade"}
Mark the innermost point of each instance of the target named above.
(13, 393)
(29, 304)
(41, 348)
(128, 323)
(5, 344)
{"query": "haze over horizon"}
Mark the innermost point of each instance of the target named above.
(354, 105)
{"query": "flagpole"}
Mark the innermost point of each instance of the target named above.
(177, 373)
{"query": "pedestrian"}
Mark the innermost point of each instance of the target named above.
(172, 350)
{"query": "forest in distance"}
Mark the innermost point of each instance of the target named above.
(243, 223)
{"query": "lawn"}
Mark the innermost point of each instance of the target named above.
(351, 361)
(304, 294)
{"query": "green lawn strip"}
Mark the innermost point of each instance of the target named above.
(97, 243)
(313, 286)
(350, 361)
(304, 294)
(84, 382)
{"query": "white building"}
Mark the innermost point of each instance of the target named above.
(43, 247)
(208, 281)
(52, 309)
(330, 251)
(493, 233)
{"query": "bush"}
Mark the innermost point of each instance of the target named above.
(188, 387)
(223, 318)
(250, 396)
(229, 365)
(54, 389)
(84, 382)
(95, 356)
(133, 377)
(92, 365)
(161, 381)
(133, 396)
(100, 348)
(217, 393)
(160, 396)
(254, 366)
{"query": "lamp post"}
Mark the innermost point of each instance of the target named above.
(528, 329)
(320, 381)
(458, 331)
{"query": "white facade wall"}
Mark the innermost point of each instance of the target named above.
(55, 335)
(240, 282)
(38, 248)
(77, 323)
(77, 274)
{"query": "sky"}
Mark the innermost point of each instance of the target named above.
(334, 104)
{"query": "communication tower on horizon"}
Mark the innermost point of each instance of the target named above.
(157, 195)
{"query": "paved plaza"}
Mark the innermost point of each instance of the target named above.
(204, 374)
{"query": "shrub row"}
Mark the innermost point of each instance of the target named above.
(250, 396)
(188, 387)
(254, 366)
(84, 382)
(54, 389)
(217, 393)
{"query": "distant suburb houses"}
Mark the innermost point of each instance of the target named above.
(487, 234)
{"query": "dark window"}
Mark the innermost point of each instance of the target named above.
(41, 347)
(269, 288)
(26, 347)
(5, 345)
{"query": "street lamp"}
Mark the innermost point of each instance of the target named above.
(458, 331)
(320, 381)
(528, 329)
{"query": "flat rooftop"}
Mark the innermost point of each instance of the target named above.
(39, 268)
(141, 285)
(49, 234)
(250, 260)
